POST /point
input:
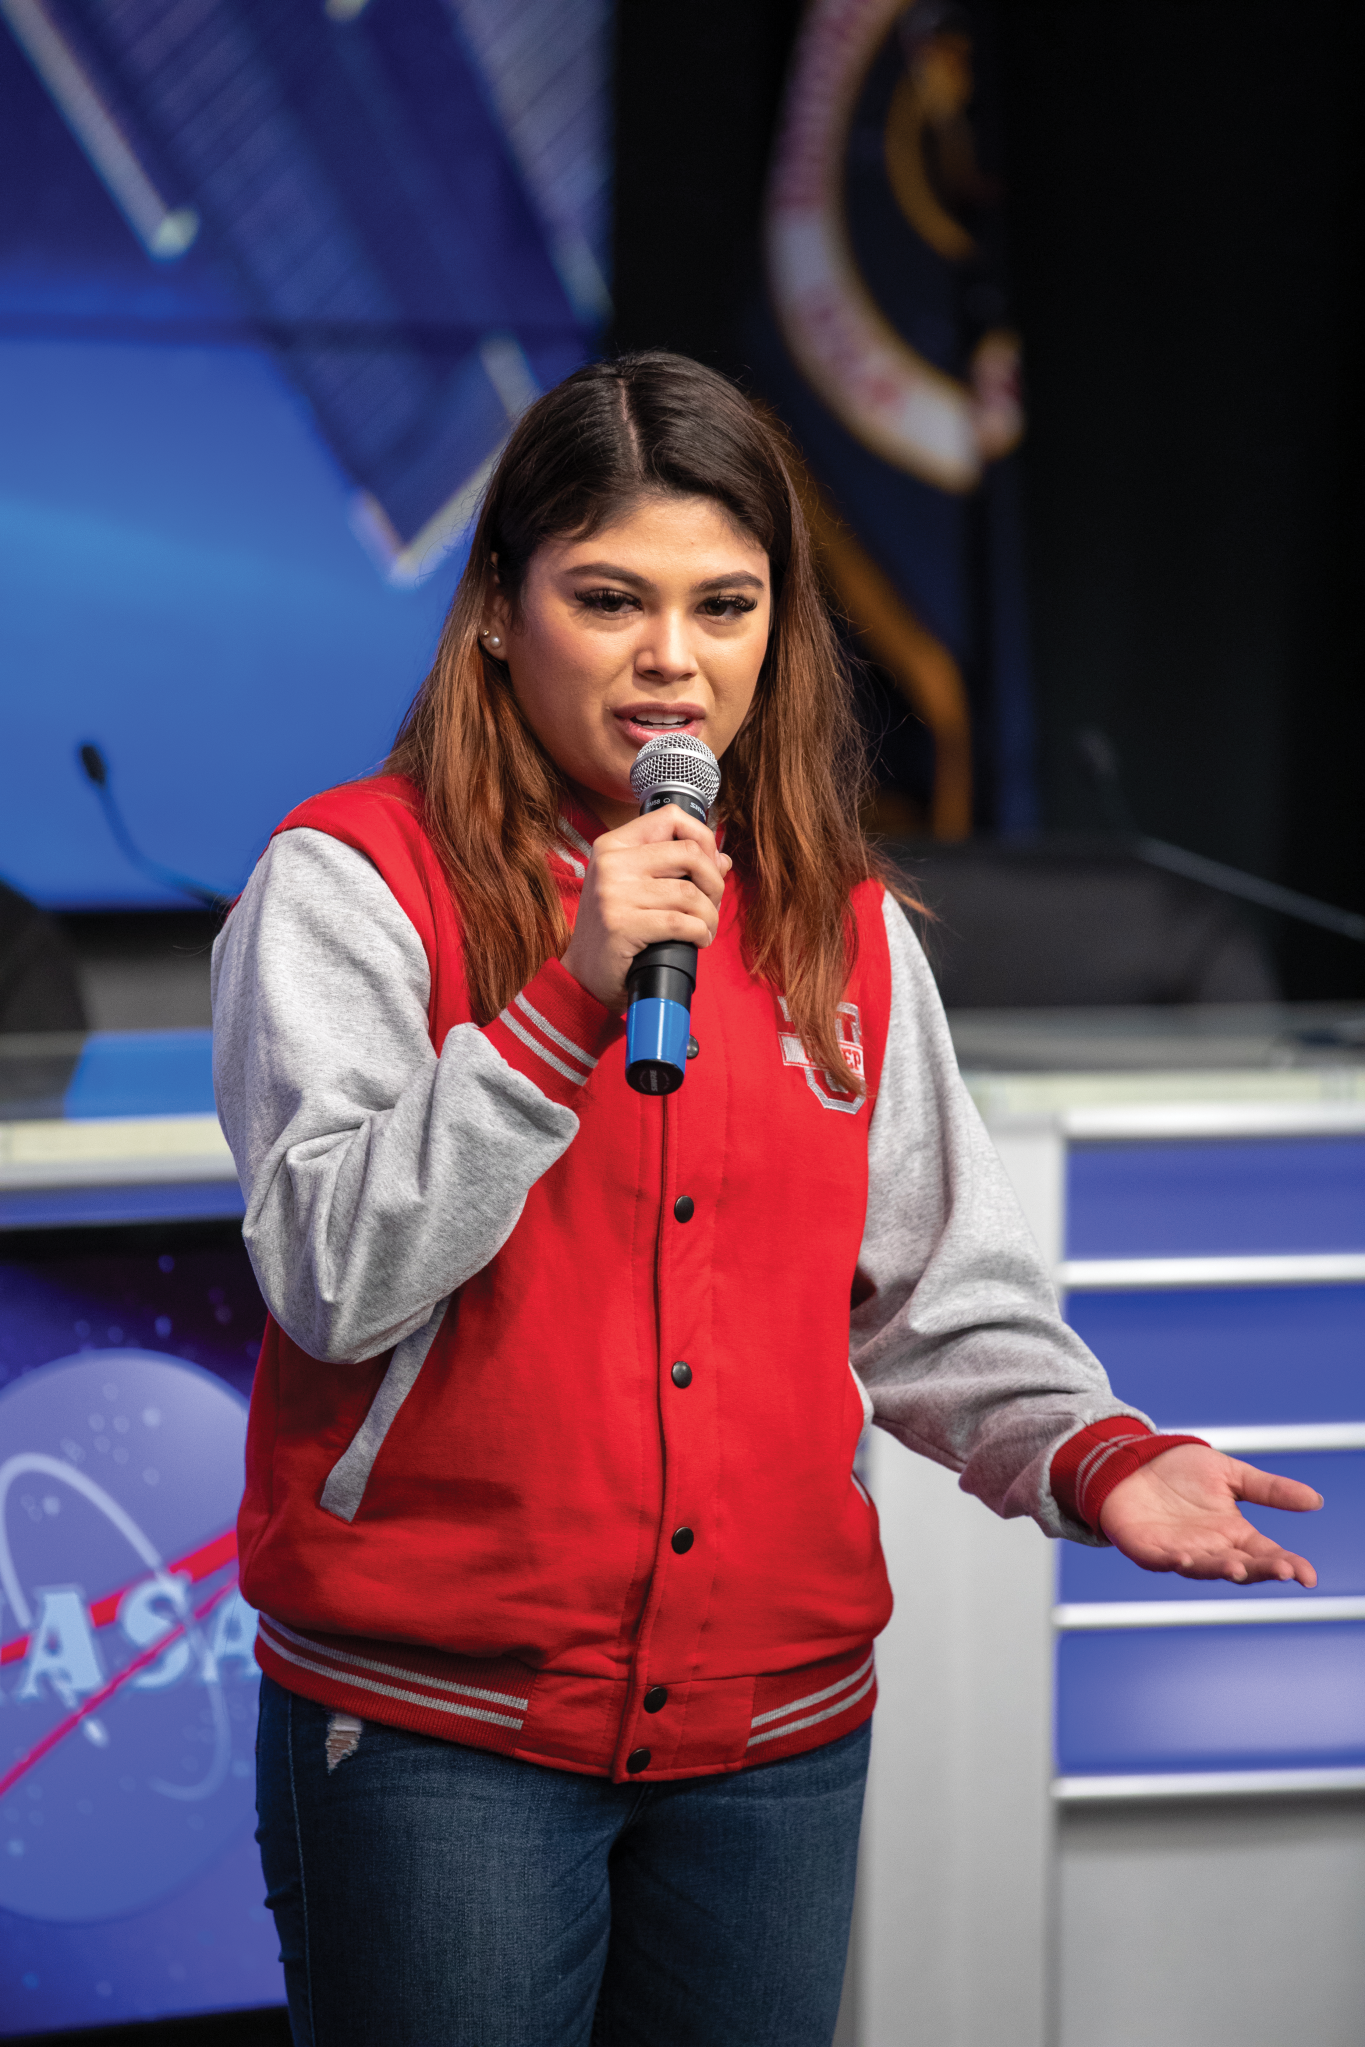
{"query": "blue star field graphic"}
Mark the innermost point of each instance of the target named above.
(130, 1884)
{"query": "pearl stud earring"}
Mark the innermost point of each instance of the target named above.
(492, 638)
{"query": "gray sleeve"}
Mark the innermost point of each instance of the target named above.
(377, 1177)
(960, 1342)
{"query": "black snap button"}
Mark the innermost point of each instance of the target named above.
(683, 1539)
(692, 1048)
(637, 1760)
(682, 1373)
(684, 1208)
(655, 1698)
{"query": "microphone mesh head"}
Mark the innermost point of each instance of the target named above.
(675, 760)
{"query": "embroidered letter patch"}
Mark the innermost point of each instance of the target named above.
(822, 1084)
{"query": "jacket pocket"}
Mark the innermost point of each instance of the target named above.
(349, 1476)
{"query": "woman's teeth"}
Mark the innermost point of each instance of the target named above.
(664, 724)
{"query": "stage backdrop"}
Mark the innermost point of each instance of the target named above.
(275, 278)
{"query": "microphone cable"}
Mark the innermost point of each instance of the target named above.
(1100, 757)
(95, 767)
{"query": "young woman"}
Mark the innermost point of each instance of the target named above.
(568, 1588)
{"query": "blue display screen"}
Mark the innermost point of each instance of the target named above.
(1214, 1698)
(1232, 1198)
(1206, 1357)
(238, 452)
(1223, 1695)
(129, 1881)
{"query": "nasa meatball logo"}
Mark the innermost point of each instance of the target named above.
(127, 1673)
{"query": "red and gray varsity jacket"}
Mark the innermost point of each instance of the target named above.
(552, 1439)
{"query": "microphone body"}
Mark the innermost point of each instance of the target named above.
(670, 769)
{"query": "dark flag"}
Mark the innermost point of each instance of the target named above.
(886, 343)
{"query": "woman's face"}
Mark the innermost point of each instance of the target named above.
(656, 623)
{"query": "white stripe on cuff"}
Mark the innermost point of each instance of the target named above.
(505, 1016)
(543, 1023)
(1092, 1464)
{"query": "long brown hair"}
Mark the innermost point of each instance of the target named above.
(792, 779)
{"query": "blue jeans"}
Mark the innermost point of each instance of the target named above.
(428, 1895)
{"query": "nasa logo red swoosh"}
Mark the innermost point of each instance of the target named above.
(128, 1718)
(97, 1699)
(200, 1563)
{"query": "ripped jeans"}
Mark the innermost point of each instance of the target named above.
(428, 1895)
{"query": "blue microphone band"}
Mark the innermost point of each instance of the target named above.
(656, 1045)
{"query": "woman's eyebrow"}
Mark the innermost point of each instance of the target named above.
(610, 569)
(737, 578)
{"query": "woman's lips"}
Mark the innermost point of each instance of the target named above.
(638, 731)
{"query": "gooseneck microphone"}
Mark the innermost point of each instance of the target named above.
(674, 768)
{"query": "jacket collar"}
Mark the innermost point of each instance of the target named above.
(578, 828)
(573, 841)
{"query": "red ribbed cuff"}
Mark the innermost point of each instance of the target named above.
(554, 1032)
(1093, 1461)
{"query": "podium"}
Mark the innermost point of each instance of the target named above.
(1087, 1780)
(130, 1321)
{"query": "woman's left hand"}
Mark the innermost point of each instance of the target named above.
(1180, 1513)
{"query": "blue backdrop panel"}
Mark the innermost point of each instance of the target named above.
(129, 1882)
(1334, 1538)
(1211, 1357)
(143, 1073)
(1233, 1197)
(357, 181)
(122, 1073)
(212, 468)
(1290, 1696)
(44, 1208)
(179, 583)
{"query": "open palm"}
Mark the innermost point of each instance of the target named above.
(1180, 1513)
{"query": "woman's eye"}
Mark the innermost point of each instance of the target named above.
(611, 602)
(728, 607)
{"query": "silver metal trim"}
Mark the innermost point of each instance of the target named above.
(1151, 1121)
(1113, 1275)
(112, 1151)
(1286, 1436)
(1201, 1613)
(1204, 1784)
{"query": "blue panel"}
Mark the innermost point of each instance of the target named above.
(117, 1901)
(166, 513)
(143, 1073)
(1237, 1195)
(41, 1208)
(1205, 1357)
(1223, 1698)
(1333, 1541)
(180, 578)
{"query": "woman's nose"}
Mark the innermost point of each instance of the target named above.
(665, 649)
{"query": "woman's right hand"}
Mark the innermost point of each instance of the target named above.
(658, 877)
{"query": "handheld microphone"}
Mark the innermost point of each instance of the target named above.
(674, 768)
